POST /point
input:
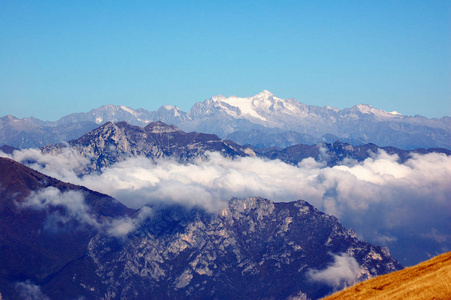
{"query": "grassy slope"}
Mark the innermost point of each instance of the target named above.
(428, 280)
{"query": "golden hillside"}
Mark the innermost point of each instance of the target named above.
(428, 280)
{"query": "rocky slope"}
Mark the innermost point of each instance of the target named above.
(45, 227)
(114, 142)
(254, 248)
(61, 241)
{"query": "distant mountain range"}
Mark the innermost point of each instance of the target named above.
(262, 121)
(114, 142)
(61, 241)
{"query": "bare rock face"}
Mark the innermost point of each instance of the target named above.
(56, 240)
(115, 142)
(254, 248)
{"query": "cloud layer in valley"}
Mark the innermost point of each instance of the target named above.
(74, 208)
(386, 202)
(342, 272)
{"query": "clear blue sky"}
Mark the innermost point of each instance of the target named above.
(59, 57)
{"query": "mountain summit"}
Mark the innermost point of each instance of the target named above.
(115, 142)
(254, 248)
(262, 120)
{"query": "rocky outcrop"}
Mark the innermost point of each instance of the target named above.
(64, 241)
(254, 248)
(115, 142)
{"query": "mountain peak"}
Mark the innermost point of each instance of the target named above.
(170, 107)
(265, 93)
(160, 127)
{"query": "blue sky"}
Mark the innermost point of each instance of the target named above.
(59, 57)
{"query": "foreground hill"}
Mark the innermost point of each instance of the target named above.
(45, 227)
(428, 280)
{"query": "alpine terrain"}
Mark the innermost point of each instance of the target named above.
(61, 241)
(262, 120)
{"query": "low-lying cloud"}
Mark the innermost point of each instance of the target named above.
(341, 273)
(72, 202)
(74, 208)
(30, 291)
(383, 200)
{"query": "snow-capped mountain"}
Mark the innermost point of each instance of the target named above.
(262, 120)
(242, 119)
(117, 113)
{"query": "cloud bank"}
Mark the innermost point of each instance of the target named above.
(30, 291)
(386, 202)
(341, 273)
(72, 202)
(75, 209)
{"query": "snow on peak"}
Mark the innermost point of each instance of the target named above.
(368, 109)
(245, 105)
(364, 108)
(218, 98)
(257, 106)
(395, 113)
(175, 109)
(332, 108)
(129, 110)
(265, 93)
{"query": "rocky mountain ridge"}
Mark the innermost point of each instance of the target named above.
(338, 152)
(114, 142)
(252, 248)
(262, 120)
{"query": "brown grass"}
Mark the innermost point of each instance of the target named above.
(428, 280)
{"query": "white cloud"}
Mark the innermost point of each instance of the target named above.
(435, 235)
(120, 228)
(30, 291)
(380, 198)
(342, 272)
(384, 239)
(72, 202)
(76, 209)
